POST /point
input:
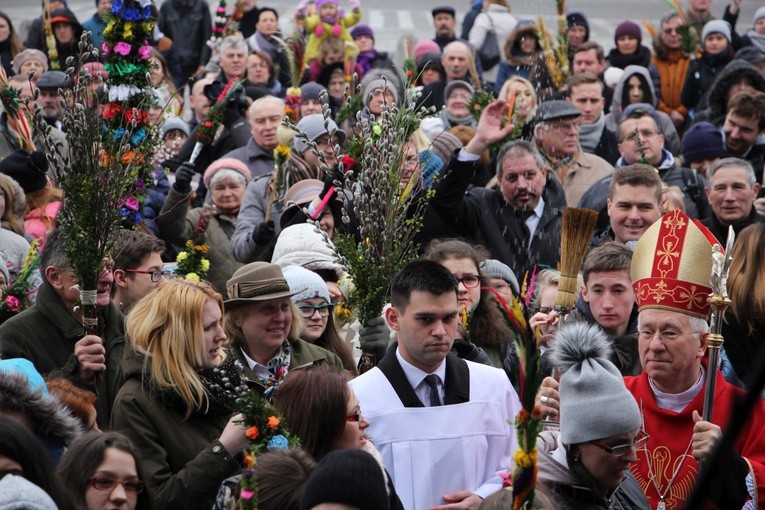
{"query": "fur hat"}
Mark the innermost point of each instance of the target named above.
(591, 382)
(29, 54)
(702, 141)
(312, 126)
(352, 477)
(716, 26)
(628, 28)
(26, 169)
(226, 164)
(306, 283)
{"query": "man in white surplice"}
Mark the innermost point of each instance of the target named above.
(443, 445)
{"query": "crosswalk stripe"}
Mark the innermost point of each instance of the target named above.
(376, 18)
(405, 21)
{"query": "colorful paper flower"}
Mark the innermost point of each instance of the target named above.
(252, 433)
(122, 48)
(144, 52)
(273, 422)
(278, 443)
(12, 303)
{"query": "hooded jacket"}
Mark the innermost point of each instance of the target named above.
(70, 49)
(568, 492)
(666, 126)
(717, 96)
(53, 422)
(515, 62)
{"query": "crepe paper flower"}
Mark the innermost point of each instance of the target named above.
(136, 116)
(131, 203)
(139, 185)
(273, 422)
(138, 136)
(127, 30)
(132, 157)
(205, 265)
(246, 494)
(278, 443)
(507, 479)
(193, 277)
(348, 162)
(252, 433)
(146, 11)
(122, 92)
(118, 133)
(12, 303)
(132, 14)
(105, 48)
(112, 110)
(181, 256)
(122, 48)
(144, 52)
(117, 6)
(376, 129)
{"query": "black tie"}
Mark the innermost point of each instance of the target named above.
(435, 399)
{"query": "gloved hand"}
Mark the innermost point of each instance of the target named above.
(264, 233)
(374, 335)
(355, 4)
(183, 176)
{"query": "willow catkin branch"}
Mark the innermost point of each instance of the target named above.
(578, 227)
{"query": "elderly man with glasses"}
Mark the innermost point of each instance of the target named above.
(556, 137)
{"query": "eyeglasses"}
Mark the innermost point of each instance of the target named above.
(617, 451)
(326, 141)
(528, 175)
(307, 311)
(470, 281)
(354, 417)
(107, 484)
(156, 275)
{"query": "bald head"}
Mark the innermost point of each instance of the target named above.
(456, 59)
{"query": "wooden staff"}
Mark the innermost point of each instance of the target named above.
(719, 302)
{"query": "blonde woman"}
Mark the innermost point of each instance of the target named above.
(171, 405)
(521, 92)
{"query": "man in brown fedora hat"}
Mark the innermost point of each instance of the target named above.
(263, 324)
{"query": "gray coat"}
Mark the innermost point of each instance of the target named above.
(258, 160)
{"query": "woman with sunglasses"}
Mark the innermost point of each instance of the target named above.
(321, 409)
(585, 465)
(102, 472)
(317, 322)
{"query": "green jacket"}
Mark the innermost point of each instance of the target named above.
(183, 460)
(176, 224)
(304, 355)
(46, 333)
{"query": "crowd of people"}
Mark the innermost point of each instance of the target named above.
(663, 136)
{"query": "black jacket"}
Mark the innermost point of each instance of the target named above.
(482, 216)
(189, 24)
(720, 229)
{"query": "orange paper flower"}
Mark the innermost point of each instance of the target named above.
(273, 422)
(252, 433)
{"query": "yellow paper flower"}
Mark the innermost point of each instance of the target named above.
(127, 30)
(181, 256)
(205, 265)
(193, 277)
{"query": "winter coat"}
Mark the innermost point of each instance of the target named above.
(701, 74)
(498, 18)
(35, 227)
(672, 67)
(52, 422)
(742, 347)
(720, 229)
(176, 224)
(482, 216)
(95, 25)
(583, 171)
(666, 126)
(155, 198)
(6, 57)
(189, 24)
(567, 491)
(303, 355)
(515, 62)
(259, 161)
(183, 460)
(13, 250)
(717, 95)
(46, 334)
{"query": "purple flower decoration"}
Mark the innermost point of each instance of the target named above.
(122, 48)
(132, 14)
(105, 48)
(144, 52)
(139, 185)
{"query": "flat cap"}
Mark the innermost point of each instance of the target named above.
(556, 110)
(444, 9)
(53, 80)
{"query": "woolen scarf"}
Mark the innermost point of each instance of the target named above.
(589, 134)
(641, 57)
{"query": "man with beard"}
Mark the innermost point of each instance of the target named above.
(520, 222)
(49, 99)
(51, 336)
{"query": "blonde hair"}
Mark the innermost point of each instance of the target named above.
(167, 325)
(505, 90)
(235, 334)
